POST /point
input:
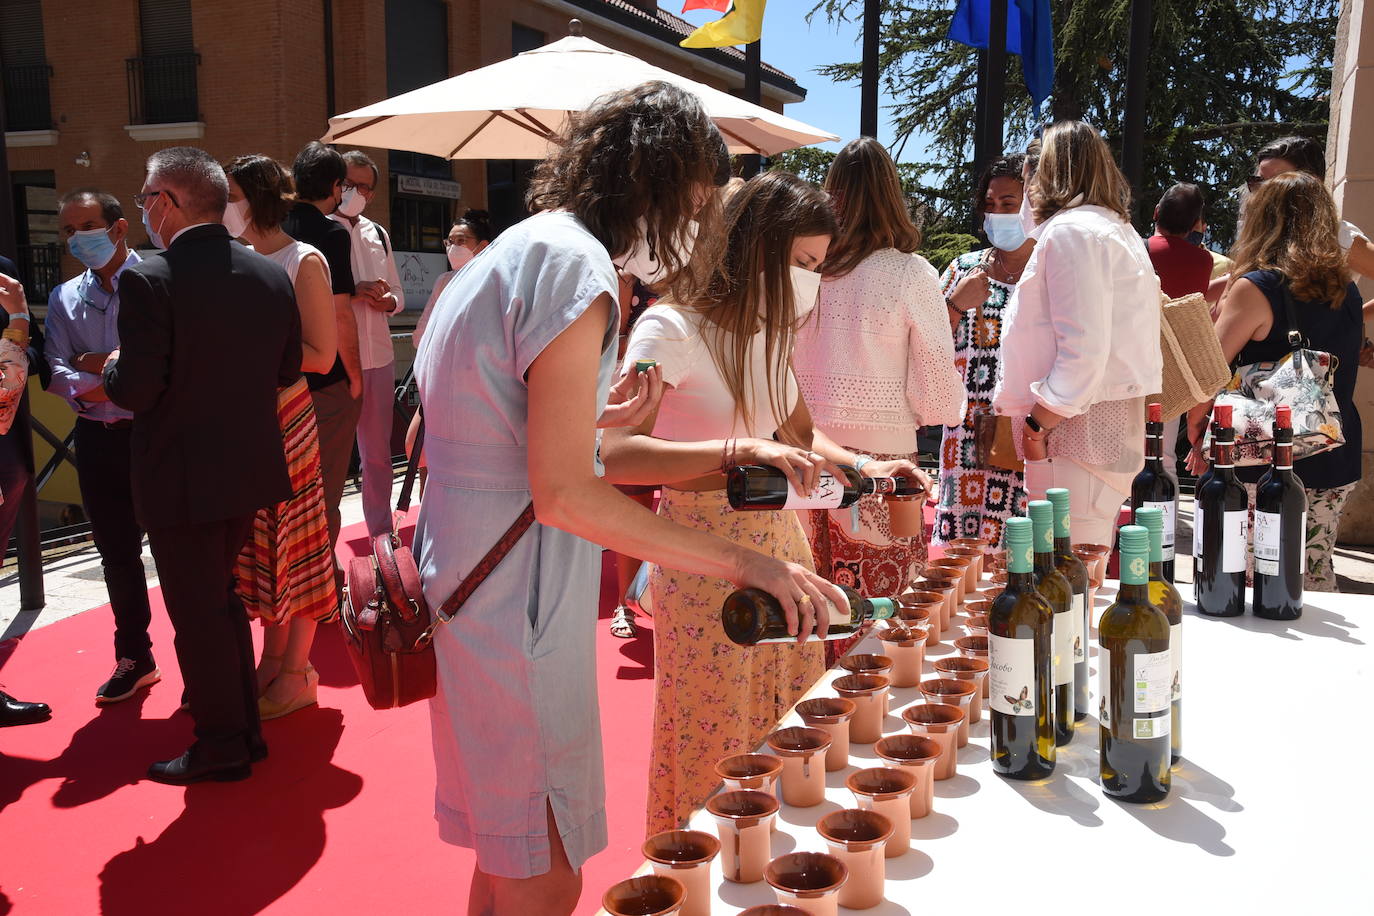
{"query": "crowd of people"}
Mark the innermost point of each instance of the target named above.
(781, 324)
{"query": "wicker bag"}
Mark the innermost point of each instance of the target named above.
(1195, 369)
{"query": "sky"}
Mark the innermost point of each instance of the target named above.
(797, 49)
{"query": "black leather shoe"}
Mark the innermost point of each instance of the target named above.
(257, 751)
(183, 771)
(17, 712)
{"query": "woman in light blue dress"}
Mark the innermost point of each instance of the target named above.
(514, 370)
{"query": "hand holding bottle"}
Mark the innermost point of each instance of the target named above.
(901, 468)
(633, 397)
(805, 597)
(802, 467)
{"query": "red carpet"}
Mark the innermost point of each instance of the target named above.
(338, 819)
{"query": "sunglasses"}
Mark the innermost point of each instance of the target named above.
(1254, 181)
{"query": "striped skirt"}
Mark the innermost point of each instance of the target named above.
(286, 567)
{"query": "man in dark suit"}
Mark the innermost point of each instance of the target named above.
(208, 331)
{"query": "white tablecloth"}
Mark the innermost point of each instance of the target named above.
(1269, 812)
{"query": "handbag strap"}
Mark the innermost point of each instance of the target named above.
(1290, 311)
(412, 465)
(449, 609)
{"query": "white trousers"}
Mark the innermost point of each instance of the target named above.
(1093, 504)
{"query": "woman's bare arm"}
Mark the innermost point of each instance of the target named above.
(315, 301)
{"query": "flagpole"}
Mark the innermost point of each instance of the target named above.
(868, 105)
(753, 70)
(1137, 71)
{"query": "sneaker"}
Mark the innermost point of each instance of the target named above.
(128, 676)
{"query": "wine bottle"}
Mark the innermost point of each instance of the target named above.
(1020, 662)
(1280, 530)
(752, 617)
(1072, 568)
(762, 487)
(1201, 482)
(1058, 594)
(1164, 596)
(1133, 683)
(1153, 487)
(1221, 519)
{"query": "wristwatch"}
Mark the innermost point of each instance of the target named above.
(861, 461)
(1034, 426)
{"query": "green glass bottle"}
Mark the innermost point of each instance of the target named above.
(1133, 666)
(751, 616)
(1058, 594)
(1164, 596)
(1020, 660)
(1072, 568)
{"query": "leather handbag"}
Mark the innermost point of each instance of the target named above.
(994, 443)
(388, 626)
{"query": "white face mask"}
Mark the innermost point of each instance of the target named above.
(1026, 213)
(235, 218)
(458, 255)
(806, 290)
(640, 261)
(352, 204)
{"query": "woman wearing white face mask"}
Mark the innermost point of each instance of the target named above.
(469, 235)
(729, 388)
(975, 500)
(286, 569)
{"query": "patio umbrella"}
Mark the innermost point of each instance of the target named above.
(511, 109)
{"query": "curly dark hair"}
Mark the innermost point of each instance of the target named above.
(1002, 167)
(649, 153)
(478, 223)
(266, 185)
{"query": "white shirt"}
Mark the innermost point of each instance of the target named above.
(1082, 326)
(372, 261)
(876, 361)
(700, 407)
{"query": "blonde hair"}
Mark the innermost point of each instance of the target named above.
(872, 212)
(1291, 227)
(1074, 160)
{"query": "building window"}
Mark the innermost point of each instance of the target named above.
(162, 81)
(417, 55)
(25, 64)
(523, 38)
(35, 216)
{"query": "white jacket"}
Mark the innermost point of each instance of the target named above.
(1083, 324)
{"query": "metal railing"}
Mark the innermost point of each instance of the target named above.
(162, 89)
(42, 265)
(27, 105)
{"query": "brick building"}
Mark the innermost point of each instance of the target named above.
(88, 101)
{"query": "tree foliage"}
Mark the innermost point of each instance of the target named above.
(1225, 77)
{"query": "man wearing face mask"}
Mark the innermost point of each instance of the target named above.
(82, 332)
(377, 295)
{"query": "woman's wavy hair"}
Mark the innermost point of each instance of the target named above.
(1010, 166)
(752, 285)
(1074, 160)
(872, 211)
(267, 186)
(649, 153)
(1291, 226)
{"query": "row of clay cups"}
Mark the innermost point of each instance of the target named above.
(810, 882)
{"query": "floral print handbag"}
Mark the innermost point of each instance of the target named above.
(1302, 380)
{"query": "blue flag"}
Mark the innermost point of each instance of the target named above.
(1030, 33)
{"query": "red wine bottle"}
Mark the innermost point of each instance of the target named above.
(1280, 530)
(754, 487)
(1221, 520)
(751, 617)
(1152, 487)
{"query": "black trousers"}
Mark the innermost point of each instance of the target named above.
(102, 469)
(213, 640)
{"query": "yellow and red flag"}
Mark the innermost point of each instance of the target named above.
(719, 6)
(742, 25)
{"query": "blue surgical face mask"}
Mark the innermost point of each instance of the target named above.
(1004, 230)
(92, 247)
(1195, 238)
(153, 235)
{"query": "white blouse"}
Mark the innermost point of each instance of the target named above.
(700, 407)
(876, 361)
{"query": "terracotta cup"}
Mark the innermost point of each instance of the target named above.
(953, 566)
(997, 559)
(939, 722)
(809, 881)
(685, 855)
(973, 647)
(953, 692)
(831, 715)
(999, 577)
(773, 909)
(647, 895)
(992, 591)
(869, 695)
(918, 755)
(1094, 556)
(974, 670)
(750, 771)
(948, 584)
(864, 663)
(906, 646)
(976, 624)
(744, 821)
(979, 605)
(802, 751)
(925, 609)
(887, 790)
(857, 838)
(979, 544)
(906, 515)
(974, 571)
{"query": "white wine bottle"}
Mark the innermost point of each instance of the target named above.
(1164, 596)
(1073, 569)
(1020, 661)
(1133, 666)
(1058, 594)
(751, 617)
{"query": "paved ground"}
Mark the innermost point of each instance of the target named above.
(73, 582)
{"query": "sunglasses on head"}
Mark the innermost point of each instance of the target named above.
(1254, 181)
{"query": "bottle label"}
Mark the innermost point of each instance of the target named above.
(1168, 540)
(829, 493)
(1156, 727)
(1152, 675)
(1011, 675)
(1197, 532)
(1268, 528)
(1104, 687)
(1233, 540)
(1080, 637)
(1063, 647)
(1176, 662)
